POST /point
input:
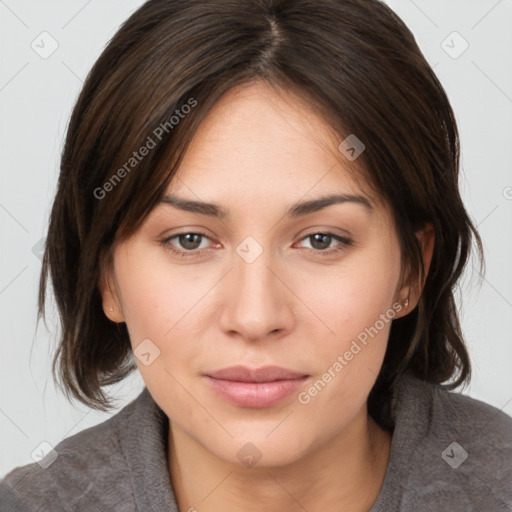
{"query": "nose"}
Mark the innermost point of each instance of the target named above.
(257, 302)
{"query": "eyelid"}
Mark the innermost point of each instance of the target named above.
(343, 242)
(186, 232)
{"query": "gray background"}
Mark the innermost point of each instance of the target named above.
(37, 92)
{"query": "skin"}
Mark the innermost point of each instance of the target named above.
(257, 153)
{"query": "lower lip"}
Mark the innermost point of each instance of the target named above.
(256, 394)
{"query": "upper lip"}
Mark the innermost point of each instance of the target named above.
(263, 374)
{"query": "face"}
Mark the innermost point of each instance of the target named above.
(310, 290)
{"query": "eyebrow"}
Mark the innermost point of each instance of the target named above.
(296, 210)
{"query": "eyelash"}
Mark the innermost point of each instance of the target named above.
(344, 243)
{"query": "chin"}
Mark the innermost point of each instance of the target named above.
(259, 449)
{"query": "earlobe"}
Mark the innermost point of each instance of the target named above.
(113, 314)
(110, 299)
(410, 293)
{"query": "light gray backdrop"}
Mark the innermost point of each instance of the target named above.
(48, 49)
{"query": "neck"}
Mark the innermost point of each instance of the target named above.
(345, 473)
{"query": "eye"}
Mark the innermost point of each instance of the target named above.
(188, 244)
(321, 242)
(191, 244)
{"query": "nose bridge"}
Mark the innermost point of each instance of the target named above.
(255, 304)
(254, 277)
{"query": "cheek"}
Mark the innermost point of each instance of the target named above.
(357, 309)
(355, 297)
(155, 304)
(161, 304)
(153, 295)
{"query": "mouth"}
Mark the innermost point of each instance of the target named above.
(255, 388)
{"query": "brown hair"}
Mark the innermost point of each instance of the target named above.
(354, 61)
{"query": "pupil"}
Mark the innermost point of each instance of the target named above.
(323, 239)
(187, 241)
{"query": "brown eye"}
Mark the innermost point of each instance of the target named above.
(322, 243)
(187, 244)
(190, 241)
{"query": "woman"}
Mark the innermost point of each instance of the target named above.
(258, 208)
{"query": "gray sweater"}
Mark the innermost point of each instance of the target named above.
(449, 452)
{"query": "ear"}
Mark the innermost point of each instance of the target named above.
(109, 293)
(410, 293)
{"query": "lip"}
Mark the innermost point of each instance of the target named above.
(255, 388)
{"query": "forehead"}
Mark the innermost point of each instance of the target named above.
(261, 142)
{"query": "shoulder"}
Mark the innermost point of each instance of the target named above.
(451, 410)
(85, 471)
(462, 449)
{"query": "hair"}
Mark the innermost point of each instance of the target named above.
(354, 62)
